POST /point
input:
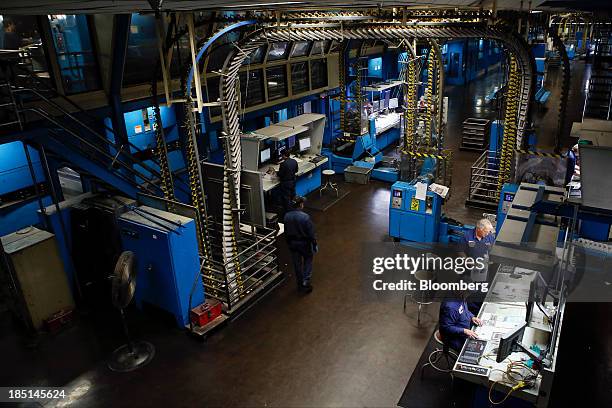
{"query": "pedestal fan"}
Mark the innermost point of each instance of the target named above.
(133, 354)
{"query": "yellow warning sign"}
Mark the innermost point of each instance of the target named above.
(414, 204)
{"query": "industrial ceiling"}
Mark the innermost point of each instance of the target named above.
(131, 6)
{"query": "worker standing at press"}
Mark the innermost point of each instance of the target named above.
(287, 172)
(477, 243)
(300, 235)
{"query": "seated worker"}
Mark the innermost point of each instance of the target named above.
(302, 243)
(287, 172)
(456, 321)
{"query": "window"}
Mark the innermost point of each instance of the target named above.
(300, 49)
(375, 67)
(278, 51)
(75, 56)
(251, 88)
(217, 57)
(318, 73)
(22, 32)
(299, 77)
(141, 50)
(320, 47)
(257, 56)
(277, 82)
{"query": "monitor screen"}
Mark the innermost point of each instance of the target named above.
(290, 142)
(304, 144)
(264, 156)
(376, 106)
(393, 103)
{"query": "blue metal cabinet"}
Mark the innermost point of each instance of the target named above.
(167, 260)
(411, 219)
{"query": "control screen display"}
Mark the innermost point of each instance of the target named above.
(508, 196)
(397, 193)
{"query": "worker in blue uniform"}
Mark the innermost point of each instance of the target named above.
(456, 321)
(301, 240)
(287, 173)
(477, 243)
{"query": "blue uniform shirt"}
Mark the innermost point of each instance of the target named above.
(476, 248)
(299, 231)
(454, 317)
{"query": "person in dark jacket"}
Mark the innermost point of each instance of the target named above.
(300, 235)
(456, 321)
(12, 41)
(287, 173)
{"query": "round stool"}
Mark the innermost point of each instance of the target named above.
(441, 359)
(327, 175)
(422, 298)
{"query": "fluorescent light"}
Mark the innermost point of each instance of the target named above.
(535, 11)
(280, 3)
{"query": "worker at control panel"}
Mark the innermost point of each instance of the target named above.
(287, 172)
(456, 321)
(300, 235)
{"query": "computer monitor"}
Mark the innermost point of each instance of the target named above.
(290, 142)
(264, 156)
(384, 104)
(538, 291)
(375, 106)
(508, 342)
(304, 144)
(393, 103)
(280, 150)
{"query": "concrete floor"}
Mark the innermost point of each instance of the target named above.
(329, 348)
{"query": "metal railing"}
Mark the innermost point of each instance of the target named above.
(110, 153)
(483, 181)
(257, 256)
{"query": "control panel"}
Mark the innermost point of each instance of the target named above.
(472, 351)
(471, 369)
(396, 200)
(507, 202)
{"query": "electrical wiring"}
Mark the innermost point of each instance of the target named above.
(517, 375)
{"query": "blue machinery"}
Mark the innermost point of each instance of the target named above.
(168, 265)
(411, 218)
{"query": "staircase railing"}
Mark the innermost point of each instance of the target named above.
(118, 154)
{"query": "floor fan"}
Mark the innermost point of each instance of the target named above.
(133, 354)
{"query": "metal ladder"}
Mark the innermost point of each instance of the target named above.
(8, 106)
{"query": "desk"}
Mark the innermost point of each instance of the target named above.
(308, 175)
(504, 309)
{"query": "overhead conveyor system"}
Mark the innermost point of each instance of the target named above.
(340, 29)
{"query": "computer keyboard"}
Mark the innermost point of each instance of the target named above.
(473, 369)
(318, 159)
(473, 350)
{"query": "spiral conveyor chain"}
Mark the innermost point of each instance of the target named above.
(161, 150)
(510, 125)
(338, 32)
(565, 85)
